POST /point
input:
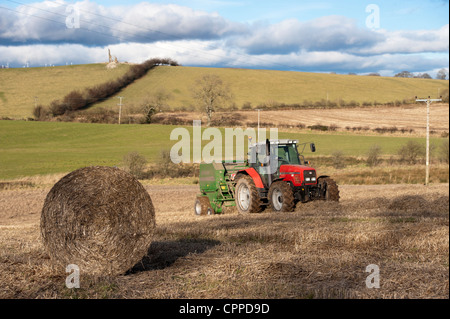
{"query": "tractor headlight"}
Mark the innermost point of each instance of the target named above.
(313, 179)
(308, 179)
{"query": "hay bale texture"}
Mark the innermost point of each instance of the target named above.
(98, 218)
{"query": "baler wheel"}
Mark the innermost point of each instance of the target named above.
(202, 206)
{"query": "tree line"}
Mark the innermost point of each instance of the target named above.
(76, 100)
(441, 75)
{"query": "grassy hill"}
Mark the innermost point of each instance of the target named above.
(19, 87)
(267, 86)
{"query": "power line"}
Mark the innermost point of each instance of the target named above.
(109, 18)
(123, 22)
(242, 56)
(51, 20)
(99, 25)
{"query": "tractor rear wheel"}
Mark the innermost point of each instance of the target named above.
(281, 197)
(331, 189)
(246, 196)
(202, 206)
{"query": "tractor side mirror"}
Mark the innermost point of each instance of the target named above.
(267, 147)
(313, 147)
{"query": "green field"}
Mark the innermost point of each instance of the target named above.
(19, 87)
(34, 148)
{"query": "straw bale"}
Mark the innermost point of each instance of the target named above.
(98, 218)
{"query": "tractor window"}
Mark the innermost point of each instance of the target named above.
(288, 154)
(282, 153)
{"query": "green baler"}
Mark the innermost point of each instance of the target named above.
(217, 186)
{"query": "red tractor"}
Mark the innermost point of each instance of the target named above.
(274, 175)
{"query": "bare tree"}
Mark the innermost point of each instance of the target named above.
(423, 76)
(211, 92)
(404, 74)
(442, 74)
(154, 105)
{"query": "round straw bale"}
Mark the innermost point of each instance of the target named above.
(98, 218)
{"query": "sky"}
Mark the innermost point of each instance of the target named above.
(347, 36)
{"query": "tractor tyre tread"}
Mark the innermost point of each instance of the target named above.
(332, 190)
(287, 193)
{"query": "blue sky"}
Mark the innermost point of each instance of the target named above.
(395, 15)
(313, 36)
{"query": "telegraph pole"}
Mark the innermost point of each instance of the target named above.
(120, 106)
(427, 163)
(35, 103)
(257, 139)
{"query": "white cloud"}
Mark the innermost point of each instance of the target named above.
(215, 53)
(135, 33)
(411, 42)
(45, 22)
(328, 33)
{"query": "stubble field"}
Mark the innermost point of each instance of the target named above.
(405, 117)
(319, 251)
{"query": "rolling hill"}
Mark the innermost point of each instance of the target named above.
(19, 87)
(268, 86)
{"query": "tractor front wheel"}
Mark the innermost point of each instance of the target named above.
(246, 196)
(281, 197)
(330, 189)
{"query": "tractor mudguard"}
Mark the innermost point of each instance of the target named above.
(255, 176)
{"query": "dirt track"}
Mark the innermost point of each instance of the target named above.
(319, 251)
